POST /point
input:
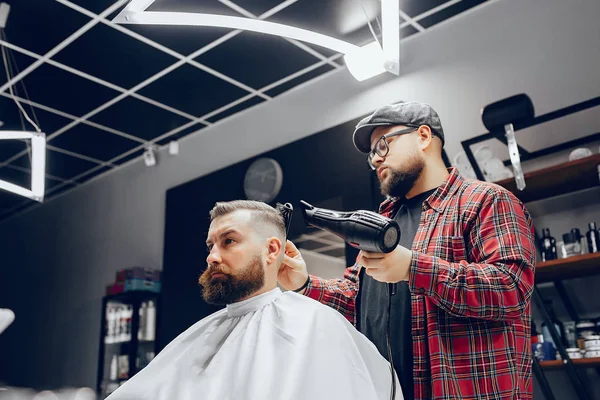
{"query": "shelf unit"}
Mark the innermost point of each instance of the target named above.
(137, 351)
(561, 179)
(579, 362)
(567, 268)
(557, 180)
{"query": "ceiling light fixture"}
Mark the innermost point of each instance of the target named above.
(362, 62)
(37, 138)
(7, 316)
(150, 156)
(38, 165)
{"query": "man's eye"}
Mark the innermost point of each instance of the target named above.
(229, 241)
(209, 248)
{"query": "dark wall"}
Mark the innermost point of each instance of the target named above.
(318, 168)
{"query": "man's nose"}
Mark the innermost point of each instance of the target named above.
(214, 257)
(377, 160)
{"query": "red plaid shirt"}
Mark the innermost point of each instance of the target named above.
(471, 278)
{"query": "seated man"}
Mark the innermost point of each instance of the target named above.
(265, 345)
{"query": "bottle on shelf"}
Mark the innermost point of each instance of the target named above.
(122, 324)
(558, 325)
(548, 246)
(150, 321)
(110, 317)
(142, 327)
(113, 368)
(571, 245)
(593, 238)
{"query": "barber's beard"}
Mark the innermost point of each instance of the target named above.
(399, 182)
(231, 288)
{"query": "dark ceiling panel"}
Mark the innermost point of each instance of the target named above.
(204, 6)
(256, 59)
(114, 57)
(251, 102)
(95, 6)
(415, 8)
(182, 39)
(449, 12)
(59, 164)
(299, 80)
(194, 91)
(12, 118)
(257, 7)
(39, 26)
(93, 142)
(66, 92)
(129, 157)
(9, 148)
(93, 174)
(322, 50)
(138, 118)
(16, 177)
(17, 62)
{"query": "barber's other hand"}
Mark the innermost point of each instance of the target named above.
(292, 273)
(391, 267)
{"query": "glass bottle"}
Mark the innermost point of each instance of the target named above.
(593, 238)
(548, 246)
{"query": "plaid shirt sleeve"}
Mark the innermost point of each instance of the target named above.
(498, 281)
(337, 293)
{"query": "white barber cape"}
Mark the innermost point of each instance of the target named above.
(274, 346)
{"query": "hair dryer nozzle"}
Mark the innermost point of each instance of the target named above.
(364, 230)
(307, 211)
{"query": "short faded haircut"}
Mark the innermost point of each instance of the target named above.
(262, 213)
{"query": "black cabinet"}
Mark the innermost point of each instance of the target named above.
(128, 337)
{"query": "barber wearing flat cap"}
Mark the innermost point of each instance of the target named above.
(463, 272)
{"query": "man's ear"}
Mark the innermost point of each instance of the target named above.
(425, 137)
(274, 249)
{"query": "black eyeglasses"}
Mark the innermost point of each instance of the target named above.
(381, 146)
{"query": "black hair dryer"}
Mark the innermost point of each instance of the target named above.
(364, 230)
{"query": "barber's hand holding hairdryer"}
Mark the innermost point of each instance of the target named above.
(384, 267)
(387, 267)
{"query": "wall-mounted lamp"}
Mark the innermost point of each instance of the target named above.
(150, 156)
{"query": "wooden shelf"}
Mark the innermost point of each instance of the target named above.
(565, 268)
(557, 180)
(579, 362)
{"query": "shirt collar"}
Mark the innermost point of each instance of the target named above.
(438, 200)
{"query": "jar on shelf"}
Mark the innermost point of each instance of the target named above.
(585, 329)
(571, 245)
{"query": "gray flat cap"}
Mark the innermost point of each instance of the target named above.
(411, 114)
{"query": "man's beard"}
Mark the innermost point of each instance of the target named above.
(231, 288)
(399, 183)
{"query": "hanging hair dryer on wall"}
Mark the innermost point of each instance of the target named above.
(361, 229)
